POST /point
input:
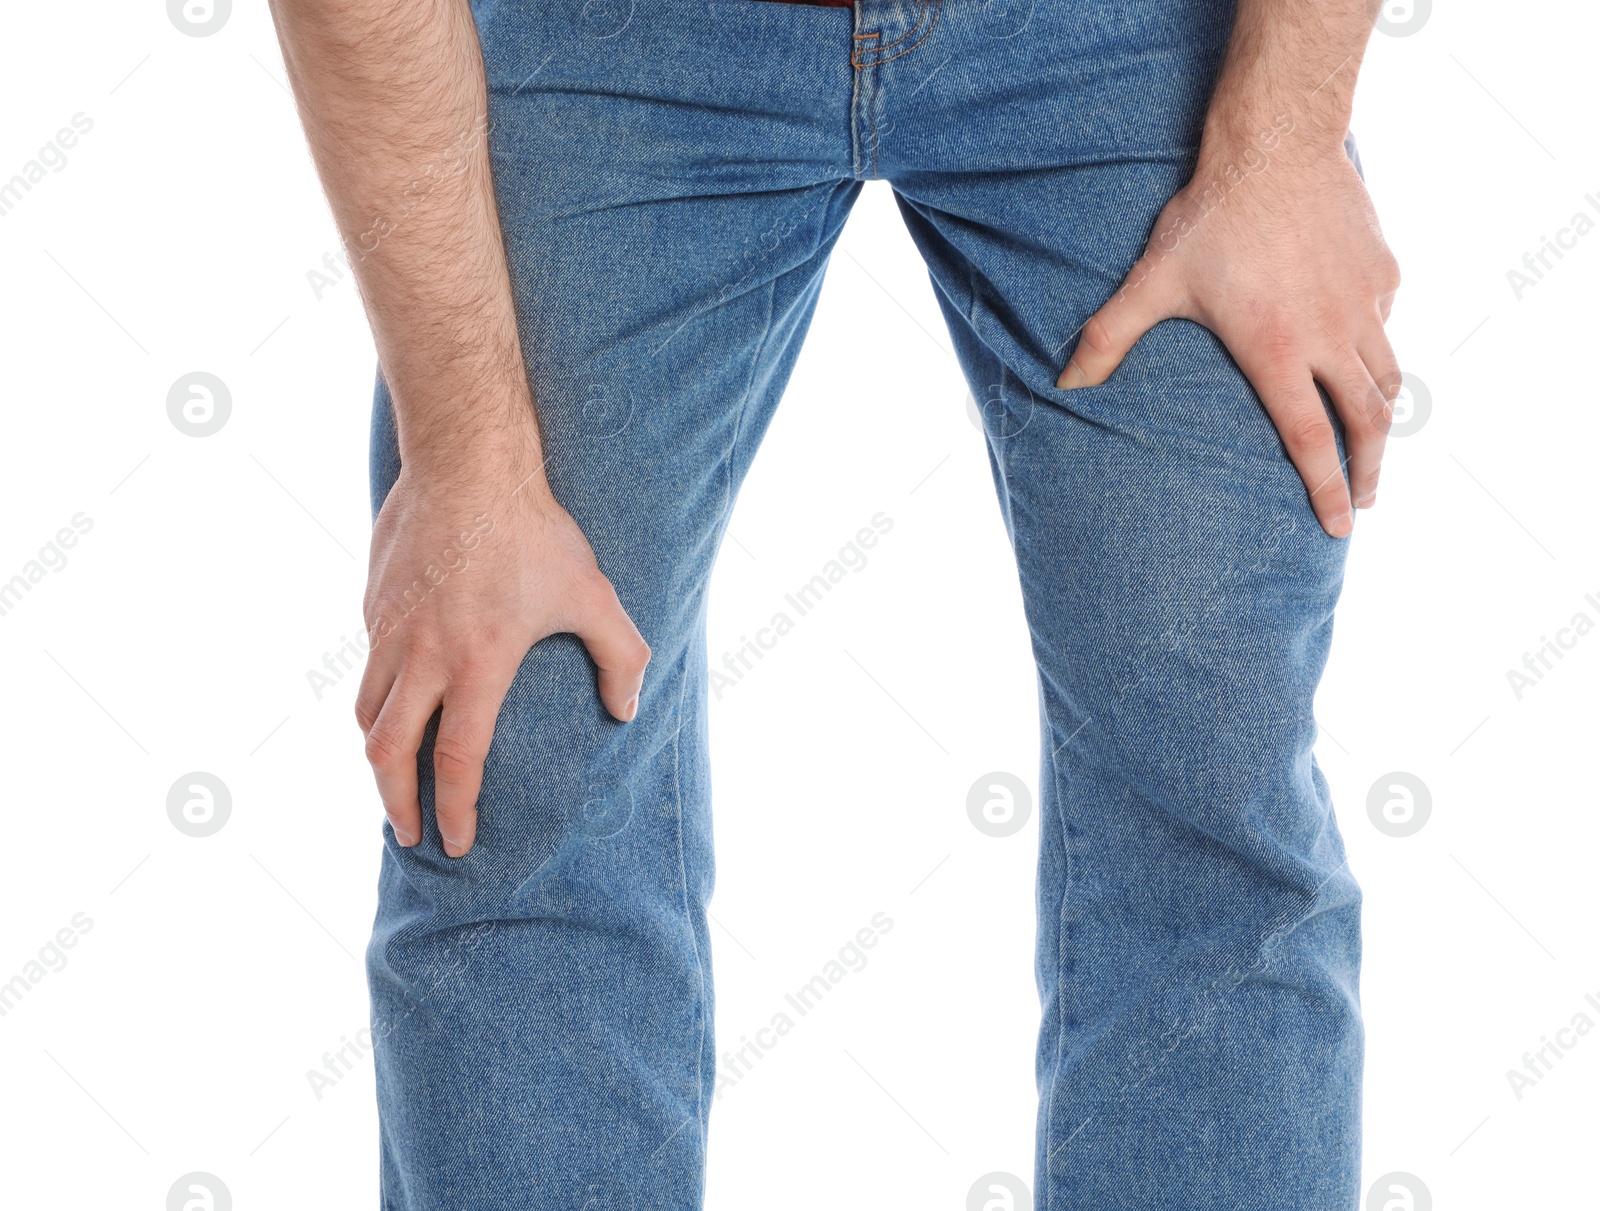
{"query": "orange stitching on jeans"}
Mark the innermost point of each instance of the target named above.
(927, 5)
(857, 50)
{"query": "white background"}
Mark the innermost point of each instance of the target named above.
(178, 636)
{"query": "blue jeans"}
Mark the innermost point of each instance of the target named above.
(672, 176)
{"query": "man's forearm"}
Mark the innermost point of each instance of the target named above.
(393, 100)
(1294, 58)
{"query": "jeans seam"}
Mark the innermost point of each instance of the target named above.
(872, 120)
(744, 405)
(1061, 967)
(683, 874)
(862, 92)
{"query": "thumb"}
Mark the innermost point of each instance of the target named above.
(1149, 295)
(618, 650)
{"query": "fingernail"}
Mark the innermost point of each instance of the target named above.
(1072, 377)
(400, 835)
(454, 848)
(1341, 525)
(1366, 501)
(632, 709)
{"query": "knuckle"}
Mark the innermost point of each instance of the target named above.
(473, 662)
(384, 751)
(1281, 343)
(1376, 417)
(456, 758)
(594, 585)
(639, 657)
(1389, 380)
(1097, 336)
(1307, 431)
(1389, 273)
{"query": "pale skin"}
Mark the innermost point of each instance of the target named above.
(1290, 272)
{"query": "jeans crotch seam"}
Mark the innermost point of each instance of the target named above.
(872, 119)
(863, 96)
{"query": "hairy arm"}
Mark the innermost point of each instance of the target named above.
(1275, 247)
(473, 560)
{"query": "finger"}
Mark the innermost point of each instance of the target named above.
(466, 729)
(1150, 294)
(1390, 288)
(376, 681)
(1290, 397)
(392, 744)
(1377, 354)
(1386, 305)
(1366, 414)
(619, 651)
(1384, 368)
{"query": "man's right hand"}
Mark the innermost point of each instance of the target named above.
(472, 564)
(473, 561)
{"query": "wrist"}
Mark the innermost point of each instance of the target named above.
(1265, 99)
(1245, 141)
(501, 448)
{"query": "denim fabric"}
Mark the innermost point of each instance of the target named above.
(672, 177)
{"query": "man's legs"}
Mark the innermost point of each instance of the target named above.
(671, 178)
(1198, 926)
(672, 173)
